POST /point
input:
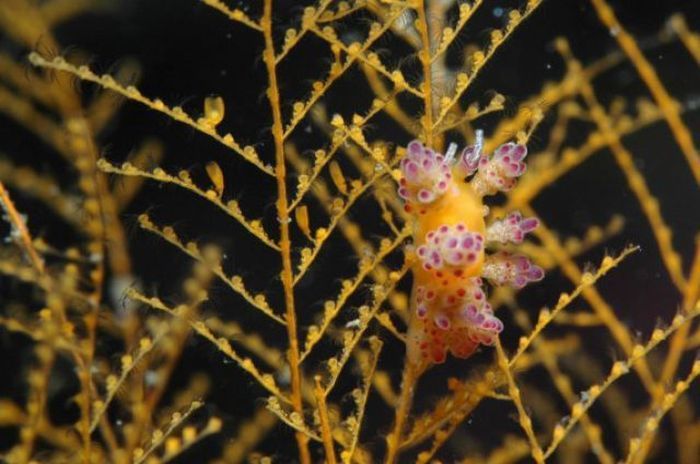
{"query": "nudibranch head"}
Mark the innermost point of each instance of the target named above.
(450, 311)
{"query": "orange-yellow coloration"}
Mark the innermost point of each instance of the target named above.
(450, 311)
(460, 205)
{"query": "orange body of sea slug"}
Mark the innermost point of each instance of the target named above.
(456, 250)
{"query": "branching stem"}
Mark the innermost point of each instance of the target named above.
(425, 60)
(287, 275)
(411, 374)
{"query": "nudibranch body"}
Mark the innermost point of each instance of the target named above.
(454, 247)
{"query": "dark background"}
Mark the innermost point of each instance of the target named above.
(188, 51)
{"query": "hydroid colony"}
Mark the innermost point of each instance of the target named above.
(344, 176)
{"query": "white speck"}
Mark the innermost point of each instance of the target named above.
(693, 103)
(450, 153)
(585, 397)
(405, 20)
(151, 378)
(284, 376)
(117, 287)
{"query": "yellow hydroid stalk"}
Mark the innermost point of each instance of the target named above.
(667, 105)
(287, 275)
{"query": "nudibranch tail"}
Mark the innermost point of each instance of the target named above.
(455, 248)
